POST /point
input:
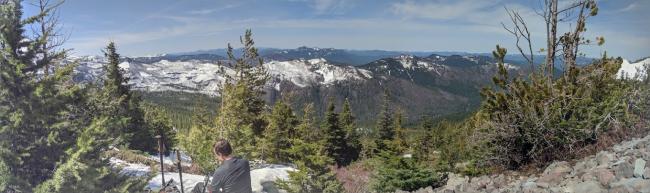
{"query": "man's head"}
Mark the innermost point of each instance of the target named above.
(222, 150)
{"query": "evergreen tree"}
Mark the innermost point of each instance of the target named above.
(351, 135)
(307, 129)
(313, 172)
(385, 126)
(45, 120)
(36, 124)
(158, 123)
(197, 143)
(85, 171)
(201, 115)
(334, 136)
(400, 173)
(240, 117)
(279, 132)
(424, 146)
(122, 105)
(399, 141)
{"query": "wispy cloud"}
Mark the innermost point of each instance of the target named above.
(470, 11)
(208, 11)
(630, 7)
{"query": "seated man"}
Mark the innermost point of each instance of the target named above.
(234, 174)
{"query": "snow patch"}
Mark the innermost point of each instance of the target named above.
(267, 174)
(205, 77)
(129, 169)
(303, 73)
(632, 70)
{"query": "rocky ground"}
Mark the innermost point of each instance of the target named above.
(623, 168)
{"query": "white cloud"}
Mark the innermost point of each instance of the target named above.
(629, 7)
(212, 10)
(441, 10)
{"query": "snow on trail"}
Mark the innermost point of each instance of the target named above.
(265, 175)
(189, 181)
(130, 169)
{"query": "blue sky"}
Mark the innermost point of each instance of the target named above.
(146, 27)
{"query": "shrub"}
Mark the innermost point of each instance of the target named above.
(448, 145)
(400, 173)
(533, 120)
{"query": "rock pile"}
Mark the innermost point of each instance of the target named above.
(623, 168)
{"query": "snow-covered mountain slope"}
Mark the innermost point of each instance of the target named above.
(204, 76)
(633, 70)
(303, 73)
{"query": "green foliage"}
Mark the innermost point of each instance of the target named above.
(39, 114)
(308, 129)
(181, 107)
(385, 126)
(446, 145)
(399, 173)
(86, 171)
(334, 136)
(52, 131)
(278, 134)
(5, 176)
(639, 97)
(313, 173)
(532, 120)
(352, 137)
(157, 123)
(399, 144)
(240, 117)
(197, 142)
(118, 102)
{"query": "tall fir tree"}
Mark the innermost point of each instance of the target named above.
(278, 134)
(122, 105)
(334, 136)
(308, 128)
(240, 117)
(352, 137)
(385, 126)
(424, 143)
(399, 141)
(45, 120)
(313, 172)
(35, 111)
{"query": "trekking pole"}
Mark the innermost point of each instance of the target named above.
(180, 169)
(160, 153)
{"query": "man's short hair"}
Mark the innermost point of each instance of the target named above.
(222, 147)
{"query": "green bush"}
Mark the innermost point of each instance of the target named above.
(533, 120)
(400, 173)
(640, 93)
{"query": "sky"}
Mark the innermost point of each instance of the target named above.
(150, 27)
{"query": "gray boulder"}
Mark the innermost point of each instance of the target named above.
(586, 187)
(623, 170)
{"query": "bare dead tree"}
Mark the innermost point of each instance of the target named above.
(520, 30)
(48, 35)
(569, 42)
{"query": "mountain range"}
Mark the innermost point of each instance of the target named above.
(419, 84)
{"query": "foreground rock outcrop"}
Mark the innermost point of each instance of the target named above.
(623, 168)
